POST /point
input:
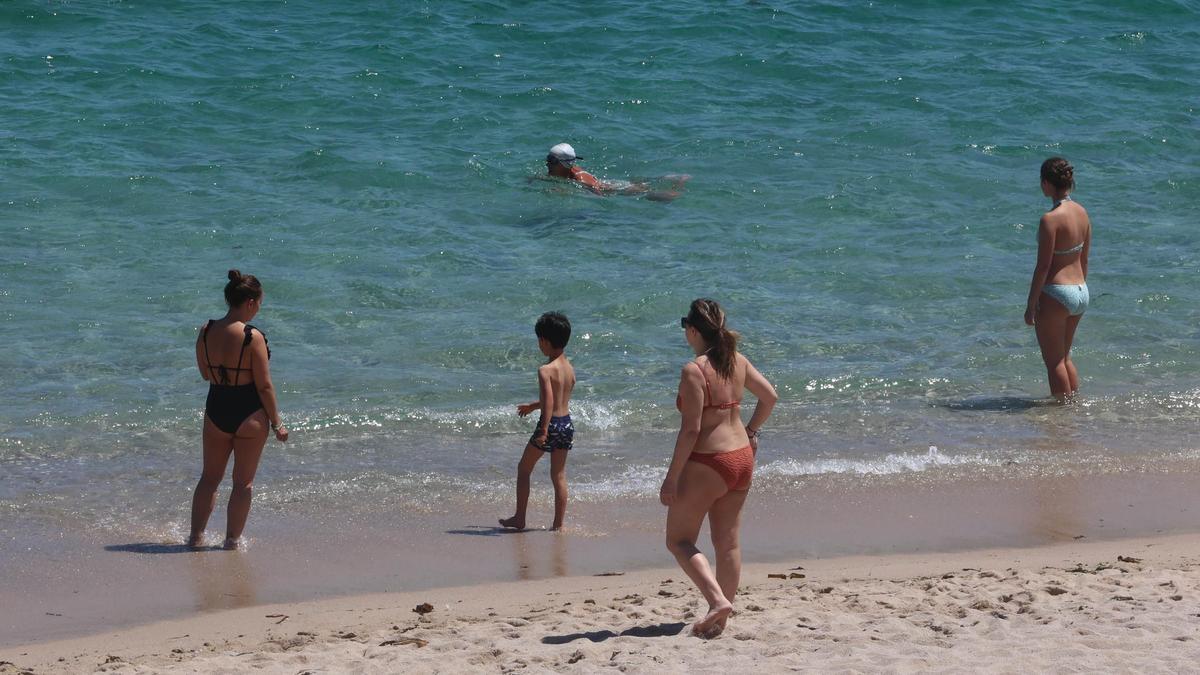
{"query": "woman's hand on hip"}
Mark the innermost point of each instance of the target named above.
(667, 493)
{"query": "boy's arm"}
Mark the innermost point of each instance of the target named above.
(524, 409)
(546, 399)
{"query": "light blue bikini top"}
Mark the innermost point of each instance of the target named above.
(1077, 247)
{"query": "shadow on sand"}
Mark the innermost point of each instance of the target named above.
(158, 548)
(487, 531)
(659, 630)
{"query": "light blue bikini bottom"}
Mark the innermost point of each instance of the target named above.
(1072, 296)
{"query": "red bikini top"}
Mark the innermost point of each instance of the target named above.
(708, 394)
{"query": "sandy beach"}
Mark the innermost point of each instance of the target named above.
(1117, 606)
(61, 587)
(863, 200)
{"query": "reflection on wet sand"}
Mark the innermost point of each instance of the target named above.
(1057, 510)
(222, 580)
(531, 550)
(1058, 513)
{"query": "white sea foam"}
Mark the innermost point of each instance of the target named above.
(634, 480)
(587, 414)
(890, 464)
(644, 479)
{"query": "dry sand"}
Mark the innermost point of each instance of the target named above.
(1115, 606)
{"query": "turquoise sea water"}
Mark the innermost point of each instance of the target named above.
(864, 200)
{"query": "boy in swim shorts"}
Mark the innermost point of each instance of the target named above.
(554, 432)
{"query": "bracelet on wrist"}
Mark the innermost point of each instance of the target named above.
(752, 432)
(276, 426)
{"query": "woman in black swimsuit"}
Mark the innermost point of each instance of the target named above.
(233, 357)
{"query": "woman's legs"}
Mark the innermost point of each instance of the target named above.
(217, 446)
(1072, 375)
(1051, 327)
(725, 521)
(247, 450)
(699, 487)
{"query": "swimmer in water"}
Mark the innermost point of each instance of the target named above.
(560, 163)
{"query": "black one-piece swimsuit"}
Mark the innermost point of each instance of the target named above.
(230, 403)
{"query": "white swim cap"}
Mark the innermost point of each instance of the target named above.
(563, 153)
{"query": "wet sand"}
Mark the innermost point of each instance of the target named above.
(62, 587)
(1116, 606)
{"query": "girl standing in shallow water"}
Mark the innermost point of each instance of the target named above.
(711, 469)
(1058, 293)
(233, 357)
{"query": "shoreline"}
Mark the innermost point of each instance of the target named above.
(640, 617)
(69, 588)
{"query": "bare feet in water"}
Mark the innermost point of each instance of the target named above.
(195, 541)
(231, 544)
(714, 622)
(512, 523)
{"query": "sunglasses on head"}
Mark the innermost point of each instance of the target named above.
(683, 322)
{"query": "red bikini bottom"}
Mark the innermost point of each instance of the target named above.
(735, 466)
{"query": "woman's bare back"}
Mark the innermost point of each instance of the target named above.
(720, 420)
(225, 349)
(1070, 232)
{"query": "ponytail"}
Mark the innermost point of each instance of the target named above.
(707, 317)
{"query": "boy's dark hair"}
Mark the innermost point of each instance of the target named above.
(555, 327)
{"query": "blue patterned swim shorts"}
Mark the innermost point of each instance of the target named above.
(560, 434)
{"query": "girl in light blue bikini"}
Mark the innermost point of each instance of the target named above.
(1058, 293)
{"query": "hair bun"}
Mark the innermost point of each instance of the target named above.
(241, 287)
(1059, 172)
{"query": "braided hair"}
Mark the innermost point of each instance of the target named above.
(1059, 173)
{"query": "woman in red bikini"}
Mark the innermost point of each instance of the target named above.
(714, 458)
